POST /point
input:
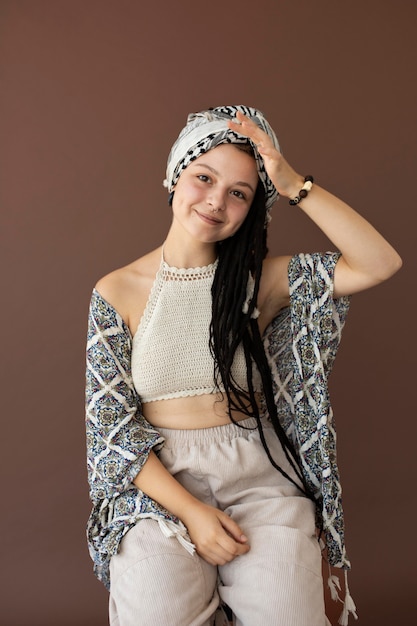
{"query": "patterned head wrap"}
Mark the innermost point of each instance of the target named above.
(208, 129)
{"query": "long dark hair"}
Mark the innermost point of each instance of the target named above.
(238, 257)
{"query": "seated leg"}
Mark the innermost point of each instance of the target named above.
(154, 580)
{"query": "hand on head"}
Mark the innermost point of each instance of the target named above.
(286, 180)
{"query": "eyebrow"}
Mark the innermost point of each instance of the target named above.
(241, 183)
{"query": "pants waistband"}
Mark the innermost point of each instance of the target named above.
(243, 428)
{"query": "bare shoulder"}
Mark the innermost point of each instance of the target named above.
(127, 288)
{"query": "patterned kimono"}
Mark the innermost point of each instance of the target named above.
(301, 344)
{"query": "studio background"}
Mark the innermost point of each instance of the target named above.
(93, 94)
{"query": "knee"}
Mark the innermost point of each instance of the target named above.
(155, 580)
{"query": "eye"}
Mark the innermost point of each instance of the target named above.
(204, 178)
(238, 194)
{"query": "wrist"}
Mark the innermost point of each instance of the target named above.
(190, 508)
(186, 508)
(292, 191)
(303, 191)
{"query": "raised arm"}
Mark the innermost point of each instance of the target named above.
(367, 258)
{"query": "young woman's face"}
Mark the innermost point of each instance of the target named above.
(214, 193)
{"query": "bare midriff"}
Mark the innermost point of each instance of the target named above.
(205, 411)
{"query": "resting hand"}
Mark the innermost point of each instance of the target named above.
(217, 538)
(286, 180)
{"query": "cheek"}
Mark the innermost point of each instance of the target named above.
(240, 215)
(188, 193)
(237, 219)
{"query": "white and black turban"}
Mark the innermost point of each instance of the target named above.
(208, 129)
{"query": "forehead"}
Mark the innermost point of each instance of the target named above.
(229, 159)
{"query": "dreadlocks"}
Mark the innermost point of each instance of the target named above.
(239, 257)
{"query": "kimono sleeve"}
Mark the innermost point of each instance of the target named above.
(301, 347)
(317, 318)
(119, 439)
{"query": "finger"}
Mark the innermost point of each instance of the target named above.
(226, 550)
(245, 126)
(222, 546)
(221, 552)
(233, 548)
(232, 528)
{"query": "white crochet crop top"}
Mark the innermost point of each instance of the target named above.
(171, 356)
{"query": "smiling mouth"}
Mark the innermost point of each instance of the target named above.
(208, 218)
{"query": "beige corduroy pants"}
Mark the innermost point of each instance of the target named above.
(156, 582)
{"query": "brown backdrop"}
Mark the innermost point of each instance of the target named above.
(93, 93)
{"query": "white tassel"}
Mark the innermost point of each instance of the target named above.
(171, 529)
(334, 585)
(250, 287)
(349, 606)
(186, 543)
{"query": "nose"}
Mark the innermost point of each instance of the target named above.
(216, 200)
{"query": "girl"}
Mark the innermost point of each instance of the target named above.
(211, 448)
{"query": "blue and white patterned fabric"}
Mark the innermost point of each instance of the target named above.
(301, 344)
